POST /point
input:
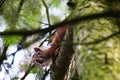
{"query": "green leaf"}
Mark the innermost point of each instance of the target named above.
(11, 40)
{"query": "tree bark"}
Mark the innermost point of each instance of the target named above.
(63, 61)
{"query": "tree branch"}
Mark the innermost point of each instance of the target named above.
(3, 55)
(27, 72)
(46, 73)
(19, 8)
(99, 40)
(47, 11)
(73, 21)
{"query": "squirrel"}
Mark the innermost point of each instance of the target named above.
(47, 57)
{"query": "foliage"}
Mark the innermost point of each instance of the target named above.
(97, 56)
(11, 40)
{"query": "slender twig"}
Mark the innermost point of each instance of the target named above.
(19, 7)
(28, 70)
(43, 41)
(46, 73)
(16, 14)
(73, 21)
(7, 72)
(100, 40)
(3, 55)
(47, 12)
(46, 39)
(44, 23)
(97, 41)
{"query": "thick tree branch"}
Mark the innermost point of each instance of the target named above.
(73, 21)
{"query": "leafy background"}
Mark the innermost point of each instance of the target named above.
(95, 61)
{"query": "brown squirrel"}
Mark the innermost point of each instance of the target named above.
(48, 56)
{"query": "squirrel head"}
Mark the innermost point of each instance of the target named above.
(41, 58)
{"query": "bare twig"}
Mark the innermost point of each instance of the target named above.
(3, 55)
(47, 11)
(28, 70)
(44, 23)
(46, 73)
(46, 39)
(7, 72)
(73, 21)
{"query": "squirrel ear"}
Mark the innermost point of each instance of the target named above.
(37, 49)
